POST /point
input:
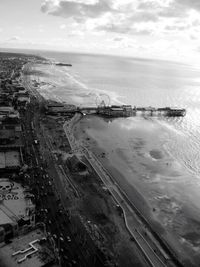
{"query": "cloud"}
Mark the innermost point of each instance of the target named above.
(77, 10)
(125, 28)
(62, 26)
(118, 39)
(177, 28)
(180, 8)
(124, 42)
(191, 4)
(154, 4)
(134, 17)
(118, 15)
(75, 33)
(14, 38)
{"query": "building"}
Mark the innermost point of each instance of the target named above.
(59, 108)
(28, 250)
(11, 137)
(17, 212)
(18, 88)
(7, 136)
(9, 119)
(6, 110)
(9, 124)
(5, 99)
(10, 160)
(9, 111)
(22, 102)
(116, 111)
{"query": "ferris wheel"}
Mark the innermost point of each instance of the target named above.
(102, 100)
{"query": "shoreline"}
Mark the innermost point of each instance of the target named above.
(118, 174)
(98, 196)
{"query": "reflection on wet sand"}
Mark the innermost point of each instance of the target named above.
(133, 151)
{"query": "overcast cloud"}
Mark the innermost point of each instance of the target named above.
(133, 17)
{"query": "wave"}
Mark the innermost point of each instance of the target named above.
(62, 82)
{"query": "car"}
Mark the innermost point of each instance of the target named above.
(69, 239)
(36, 142)
(65, 257)
(74, 262)
(61, 239)
(55, 236)
(46, 210)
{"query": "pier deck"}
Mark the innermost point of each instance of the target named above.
(128, 111)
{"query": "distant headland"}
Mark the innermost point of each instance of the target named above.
(63, 64)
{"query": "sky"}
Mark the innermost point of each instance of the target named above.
(161, 29)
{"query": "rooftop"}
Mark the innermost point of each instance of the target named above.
(6, 109)
(9, 159)
(13, 203)
(34, 253)
(5, 133)
(23, 99)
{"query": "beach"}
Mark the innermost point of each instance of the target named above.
(149, 158)
(149, 175)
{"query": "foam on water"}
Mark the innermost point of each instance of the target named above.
(69, 85)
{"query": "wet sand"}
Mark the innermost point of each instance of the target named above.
(133, 150)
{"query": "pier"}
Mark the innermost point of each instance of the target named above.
(115, 111)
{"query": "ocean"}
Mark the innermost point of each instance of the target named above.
(165, 150)
(138, 82)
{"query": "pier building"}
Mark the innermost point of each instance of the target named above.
(115, 111)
